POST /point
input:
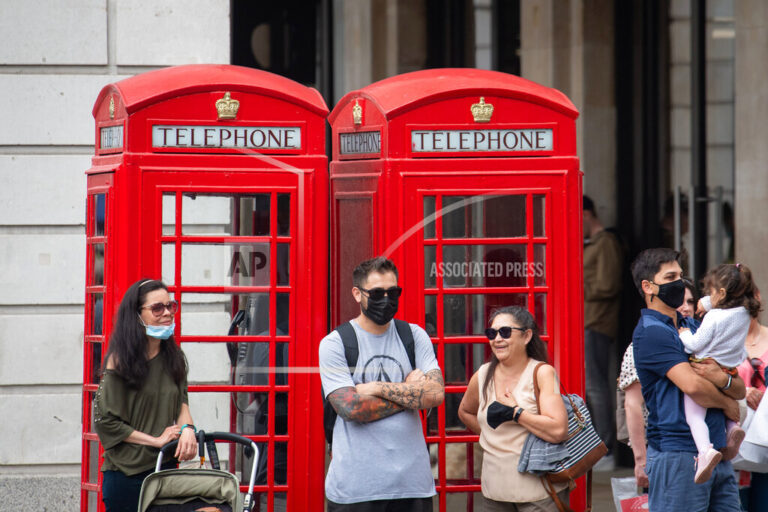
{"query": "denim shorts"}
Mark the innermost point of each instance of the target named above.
(672, 488)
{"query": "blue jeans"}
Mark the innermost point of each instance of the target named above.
(672, 489)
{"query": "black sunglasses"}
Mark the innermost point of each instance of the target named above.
(158, 308)
(505, 332)
(379, 293)
(756, 362)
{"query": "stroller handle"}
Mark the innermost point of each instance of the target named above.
(202, 437)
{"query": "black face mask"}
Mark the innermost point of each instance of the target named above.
(672, 294)
(380, 311)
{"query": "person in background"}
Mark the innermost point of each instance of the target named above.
(603, 264)
(753, 372)
(634, 406)
(500, 405)
(142, 401)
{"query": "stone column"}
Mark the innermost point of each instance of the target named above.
(353, 45)
(751, 124)
(568, 45)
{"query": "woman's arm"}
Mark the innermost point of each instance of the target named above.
(551, 424)
(633, 406)
(187, 447)
(470, 403)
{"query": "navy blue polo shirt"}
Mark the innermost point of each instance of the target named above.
(657, 348)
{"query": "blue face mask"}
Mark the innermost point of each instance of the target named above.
(162, 332)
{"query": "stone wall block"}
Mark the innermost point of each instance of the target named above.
(21, 193)
(167, 32)
(52, 32)
(42, 269)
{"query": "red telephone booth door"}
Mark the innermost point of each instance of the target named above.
(223, 246)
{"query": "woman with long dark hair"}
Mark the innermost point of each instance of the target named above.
(500, 405)
(142, 401)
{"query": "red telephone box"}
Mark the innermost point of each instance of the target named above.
(469, 181)
(213, 178)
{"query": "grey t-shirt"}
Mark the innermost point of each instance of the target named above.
(388, 458)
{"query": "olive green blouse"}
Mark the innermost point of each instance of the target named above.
(120, 409)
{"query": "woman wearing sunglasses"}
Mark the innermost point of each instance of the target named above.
(141, 403)
(753, 373)
(500, 406)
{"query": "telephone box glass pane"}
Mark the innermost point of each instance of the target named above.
(539, 216)
(484, 216)
(281, 463)
(97, 313)
(461, 361)
(209, 314)
(100, 213)
(540, 305)
(430, 266)
(429, 211)
(283, 264)
(284, 214)
(95, 362)
(224, 214)
(225, 264)
(484, 265)
(540, 265)
(282, 315)
(430, 314)
(98, 264)
(169, 214)
(168, 272)
(252, 407)
(467, 315)
(93, 461)
(281, 414)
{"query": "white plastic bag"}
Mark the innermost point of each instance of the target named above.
(625, 495)
(753, 454)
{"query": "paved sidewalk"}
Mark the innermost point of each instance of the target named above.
(602, 496)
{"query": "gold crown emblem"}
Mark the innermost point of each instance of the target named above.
(111, 107)
(482, 111)
(357, 113)
(227, 107)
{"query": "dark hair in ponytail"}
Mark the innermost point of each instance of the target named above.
(740, 289)
(535, 349)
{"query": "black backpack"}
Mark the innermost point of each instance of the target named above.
(351, 352)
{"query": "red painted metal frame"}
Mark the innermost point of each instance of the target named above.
(137, 178)
(397, 181)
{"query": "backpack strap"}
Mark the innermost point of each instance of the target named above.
(349, 339)
(406, 336)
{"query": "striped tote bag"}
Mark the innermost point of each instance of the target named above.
(584, 446)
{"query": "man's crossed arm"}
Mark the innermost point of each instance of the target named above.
(373, 401)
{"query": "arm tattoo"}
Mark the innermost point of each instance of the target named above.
(416, 395)
(362, 408)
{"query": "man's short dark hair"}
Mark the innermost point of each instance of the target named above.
(588, 205)
(649, 262)
(379, 264)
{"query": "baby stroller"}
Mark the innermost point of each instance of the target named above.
(203, 490)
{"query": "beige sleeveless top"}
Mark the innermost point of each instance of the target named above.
(500, 479)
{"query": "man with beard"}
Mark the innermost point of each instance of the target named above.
(379, 459)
